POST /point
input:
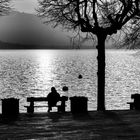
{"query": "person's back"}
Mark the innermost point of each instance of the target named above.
(52, 98)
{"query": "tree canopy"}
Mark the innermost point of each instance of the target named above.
(4, 7)
(91, 15)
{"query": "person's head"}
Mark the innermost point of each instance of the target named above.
(53, 89)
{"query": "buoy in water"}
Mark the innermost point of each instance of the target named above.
(65, 88)
(80, 76)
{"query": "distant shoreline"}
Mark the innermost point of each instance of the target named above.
(8, 45)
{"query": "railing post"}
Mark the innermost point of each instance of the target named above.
(61, 108)
(30, 109)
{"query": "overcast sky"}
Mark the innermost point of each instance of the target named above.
(27, 6)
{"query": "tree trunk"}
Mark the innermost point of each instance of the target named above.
(101, 71)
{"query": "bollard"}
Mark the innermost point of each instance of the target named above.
(10, 107)
(79, 104)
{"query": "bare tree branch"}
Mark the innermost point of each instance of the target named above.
(4, 7)
(90, 15)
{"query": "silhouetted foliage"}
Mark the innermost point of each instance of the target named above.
(4, 7)
(132, 38)
(98, 17)
(89, 15)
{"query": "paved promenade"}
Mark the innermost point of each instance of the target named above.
(108, 125)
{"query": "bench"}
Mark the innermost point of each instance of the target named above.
(136, 103)
(30, 108)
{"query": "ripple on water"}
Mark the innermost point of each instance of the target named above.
(33, 72)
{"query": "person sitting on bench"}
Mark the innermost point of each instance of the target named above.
(53, 97)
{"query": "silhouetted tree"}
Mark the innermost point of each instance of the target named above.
(98, 17)
(4, 7)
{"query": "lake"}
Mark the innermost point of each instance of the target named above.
(25, 73)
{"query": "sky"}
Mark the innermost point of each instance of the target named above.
(27, 6)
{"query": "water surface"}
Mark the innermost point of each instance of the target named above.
(25, 73)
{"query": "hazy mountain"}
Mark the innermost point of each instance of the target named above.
(27, 29)
(9, 45)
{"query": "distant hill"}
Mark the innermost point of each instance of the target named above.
(22, 28)
(6, 45)
(26, 31)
